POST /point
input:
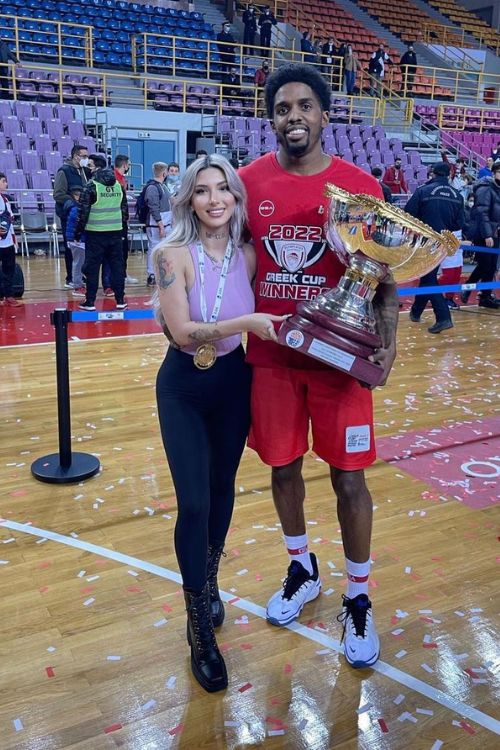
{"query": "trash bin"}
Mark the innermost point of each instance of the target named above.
(489, 95)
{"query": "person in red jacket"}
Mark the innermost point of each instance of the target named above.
(395, 179)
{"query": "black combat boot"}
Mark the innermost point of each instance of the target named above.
(207, 663)
(215, 551)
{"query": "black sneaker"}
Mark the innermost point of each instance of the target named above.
(87, 306)
(414, 318)
(452, 304)
(151, 280)
(491, 302)
(464, 296)
(361, 641)
(299, 588)
(442, 326)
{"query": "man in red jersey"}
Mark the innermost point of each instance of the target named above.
(287, 212)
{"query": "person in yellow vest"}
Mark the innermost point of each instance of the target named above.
(102, 212)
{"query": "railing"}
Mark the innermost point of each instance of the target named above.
(60, 43)
(454, 36)
(461, 118)
(445, 84)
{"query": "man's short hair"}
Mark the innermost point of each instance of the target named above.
(77, 148)
(173, 164)
(496, 166)
(75, 189)
(121, 160)
(99, 160)
(300, 73)
(3, 176)
(201, 152)
(376, 172)
(159, 167)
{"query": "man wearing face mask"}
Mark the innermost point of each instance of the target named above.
(173, 178)
(73, 173)
(226, 47)
(159, 217)
(122, 168)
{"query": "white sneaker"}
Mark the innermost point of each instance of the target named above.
(69, 285)
(361, 641)
(131, 280)
(299, 587)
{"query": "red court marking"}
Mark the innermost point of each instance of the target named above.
(112, 728)
(448, 458)
(30, 324)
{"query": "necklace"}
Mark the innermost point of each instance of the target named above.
(217, 236)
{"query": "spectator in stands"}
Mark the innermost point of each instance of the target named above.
(226, 45)
(377, 173)
(351, 65)
(74, 172)
(102, 212)
(486, 170)
(7, 246)
(395, 179)
(408, 65)
(122, 168)
(329, 60)
(5, 55)
(441, 207)
(159, 215)
(261, 75)
(266, 23)
(173, 180)
(495, 154)
(376, 68)
(486, 213)
(250, 29)
(307, 48)
(70, 212)
(232, 84)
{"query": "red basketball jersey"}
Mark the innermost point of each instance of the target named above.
(286, 217)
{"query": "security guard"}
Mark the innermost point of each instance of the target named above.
(102, 212)
(440, 206)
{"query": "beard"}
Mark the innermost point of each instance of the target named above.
(295, 149)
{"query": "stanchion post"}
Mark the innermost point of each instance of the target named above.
(64, 467)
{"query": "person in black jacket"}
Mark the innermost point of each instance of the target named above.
(102, 213)
(266, 23)
(250, 29)
(227, 47)
(440, 206)
(5, 55)
(408, 64)
(486, 229)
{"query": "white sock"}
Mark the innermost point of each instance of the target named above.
(357, 577)
(298, 550)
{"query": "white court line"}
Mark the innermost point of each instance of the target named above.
(434, 694)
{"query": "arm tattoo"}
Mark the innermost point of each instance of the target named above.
(167, 274)
(386, 309)
(209, 332)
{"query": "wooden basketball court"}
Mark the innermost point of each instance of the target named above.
(93, 650)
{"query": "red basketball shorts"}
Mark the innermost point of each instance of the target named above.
(286, 403)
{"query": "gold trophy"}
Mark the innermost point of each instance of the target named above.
(373, 239)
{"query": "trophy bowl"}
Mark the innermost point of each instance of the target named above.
(376, 241)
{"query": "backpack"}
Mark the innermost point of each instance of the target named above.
(141, 207)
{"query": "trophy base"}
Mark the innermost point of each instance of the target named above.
(324, 320)
(326, 346)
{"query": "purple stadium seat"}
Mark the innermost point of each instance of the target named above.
(48, 91)
(54, 128)
(89, 142)
(44, 111)
(27, 89)
(33, 127)
(10, 125)
(52, 160)
(20, 142)
(3, 142)
(5, 108)
(64, 145)
(23, 110)
(64, 112)
(76, 130)
(16, 178)
(8, 160)
(30, 161)
(43, 143)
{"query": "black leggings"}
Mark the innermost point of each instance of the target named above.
(8, 261)
(486, 267)
(204, 419)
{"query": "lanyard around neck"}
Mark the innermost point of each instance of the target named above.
(222, 282)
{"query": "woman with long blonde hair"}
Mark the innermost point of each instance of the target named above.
(204, 302)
